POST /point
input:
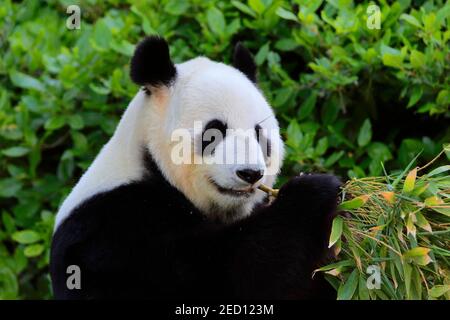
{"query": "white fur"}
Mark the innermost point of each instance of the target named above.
(203, 90)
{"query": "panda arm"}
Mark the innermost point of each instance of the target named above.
(279, 247)
(273, 253)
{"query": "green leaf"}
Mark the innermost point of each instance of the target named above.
(257, 5)
(419, 255)
(287, 15)
(15, 152)
(333, 158)
(391, 60)
(438, 290)
(445, 210)
(321, 147)
(33, 250)
(439, 170)
(411, 20)
(9, 187)
(25, 81)
(407, 271)
(102, 36)
(399, 177)
(379, 151)
(433, 201)
(9, 284)
(429, 22)
(261, 56)
(76, 122)
(354, 203)
(244, 8)
(55, 123)
(363, 291)
(410, 181)
(347, 291)
(417, 59)
(307, 106)
(26, 236)
(286, 44)
(341, 264)
(294, 134)
(365, 133)
(177, 7)
(8, 222)
(443, 98)
(123, 47)
(336, 231)
(415, 96)
(422, 222)
(216, 21)
(101, 90)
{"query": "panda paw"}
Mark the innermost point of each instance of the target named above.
(315, 193)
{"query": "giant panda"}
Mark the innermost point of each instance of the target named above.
(140, 225)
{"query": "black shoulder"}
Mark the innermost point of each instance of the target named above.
(121, 231)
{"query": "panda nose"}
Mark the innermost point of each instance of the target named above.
(249, 175)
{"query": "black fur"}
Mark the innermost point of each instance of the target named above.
(146, 240)
(151, 63)
(263, 141)
(243, 61)
(214, 137)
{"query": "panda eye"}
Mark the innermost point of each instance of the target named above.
(263, 141)
(217, 125)
(214, 132)
(258, 132)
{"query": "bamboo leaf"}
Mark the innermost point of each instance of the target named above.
(410, 181)
(439, 170)
(336, 231)
(408, 167)
(347, 291)
(340, 264)
(422, 222)
(445, 210)
(416, 252)
(438, 290)
(433, 201)
(389, 196)
(363, 291)
(410, 228)
(354, 203)
(416, 287)
(419, 255)
(407, 270)
(418, 190)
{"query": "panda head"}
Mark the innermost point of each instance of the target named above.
(208, 127)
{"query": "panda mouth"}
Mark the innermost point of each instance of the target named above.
(246, 192)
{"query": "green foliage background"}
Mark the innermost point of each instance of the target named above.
(349, 97)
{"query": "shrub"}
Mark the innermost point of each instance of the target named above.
(396, 237)
(349, 97)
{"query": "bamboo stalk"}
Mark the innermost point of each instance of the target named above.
(268, 190)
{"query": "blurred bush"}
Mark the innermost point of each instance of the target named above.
(351, 98)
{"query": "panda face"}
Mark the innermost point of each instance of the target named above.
(233, 143)
(200, 98)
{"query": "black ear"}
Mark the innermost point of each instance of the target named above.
(151, 64)
(243, 61)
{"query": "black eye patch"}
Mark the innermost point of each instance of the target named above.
(213, 133)
(263, 141)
